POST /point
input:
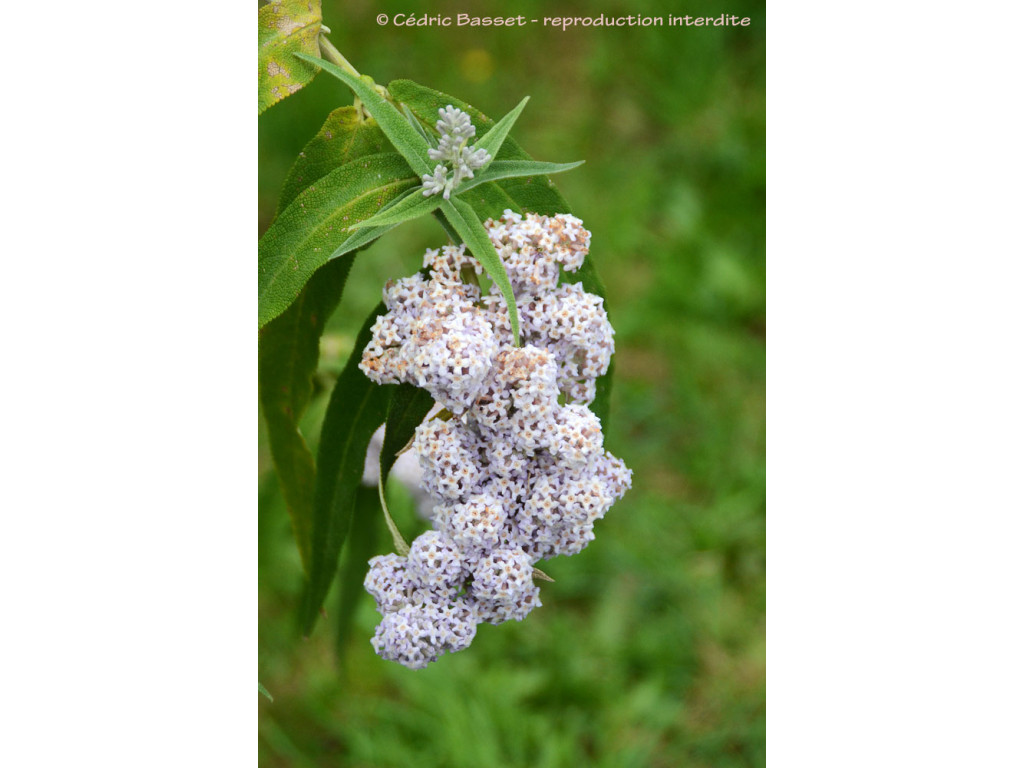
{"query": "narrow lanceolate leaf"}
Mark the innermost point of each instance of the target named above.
(356, 408)
(495, 137)
(430, 138)
(412, 206)
(287, 27)
(409, 406)
(288, 356)
(515, 169)
(311, 230)
(359, 239)
(346, 135)
(367, 522)
(464, 220)
(406, 139)
(264, 691)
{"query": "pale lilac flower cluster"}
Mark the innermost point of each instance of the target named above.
(518, 468)
(423, 614)
(453, 149)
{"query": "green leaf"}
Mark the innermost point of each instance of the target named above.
(287, 27)
(315, 227)
(514, 169)
(345, 136)
(356, 408)
(361, 546)
(406, 140)
(360, 238)
(495, 137)
(464, 220)
(288, 355)
(264, 691)
(409, 406)
(430, 138)
(537, 194)
(412, 206)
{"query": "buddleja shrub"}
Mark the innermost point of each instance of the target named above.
(500, 394)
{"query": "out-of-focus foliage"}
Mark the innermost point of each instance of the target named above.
(649, 649)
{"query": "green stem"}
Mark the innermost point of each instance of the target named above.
(333, 55)
(400, 546)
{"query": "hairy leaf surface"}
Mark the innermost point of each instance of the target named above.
(310, 230)
(497, 133)
(412, 206)
(346, 135)
(287, 27)
(406, 140)
(514, 169)
(463, 219)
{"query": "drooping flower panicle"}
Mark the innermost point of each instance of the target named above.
(519, 473)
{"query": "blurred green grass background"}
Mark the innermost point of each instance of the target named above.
(649, 649)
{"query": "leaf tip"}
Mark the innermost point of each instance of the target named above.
(542, 576)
